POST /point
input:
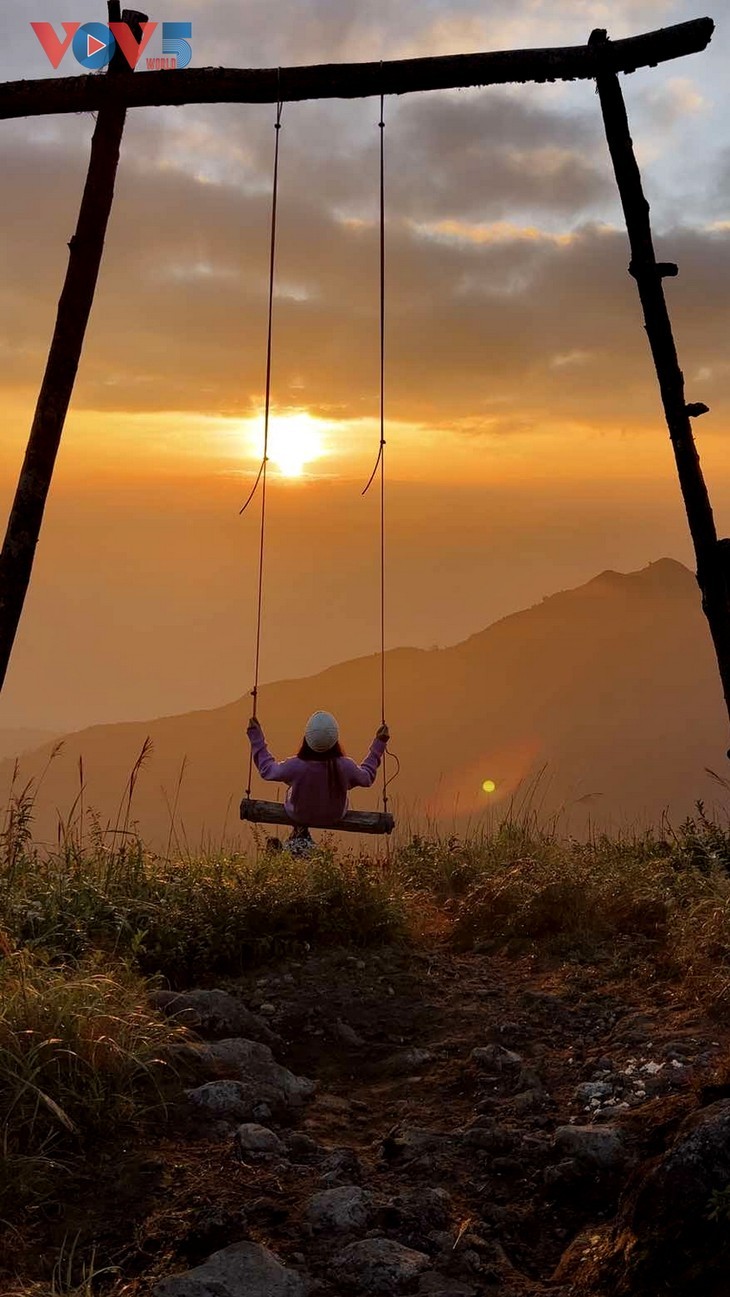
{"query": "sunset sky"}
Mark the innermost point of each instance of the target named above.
(526, 445)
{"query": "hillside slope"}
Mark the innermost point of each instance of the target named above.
(611, 688)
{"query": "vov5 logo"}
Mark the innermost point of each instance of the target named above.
(95, 44)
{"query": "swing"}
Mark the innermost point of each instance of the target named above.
(261, 812)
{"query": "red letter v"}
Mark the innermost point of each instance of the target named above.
(127, 43)
(54, 48)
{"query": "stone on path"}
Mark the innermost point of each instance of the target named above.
(600, 1147)
(223, 1100)
(345, 1208)
(263, 1080)
(214, 1014)
(496, 1056)
(243, 1270)
(379, 1265)
(252, 1138)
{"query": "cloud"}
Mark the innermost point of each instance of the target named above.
(477, 314)
(670, 102)
(502, 267)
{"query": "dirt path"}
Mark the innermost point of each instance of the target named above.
(457, 1153)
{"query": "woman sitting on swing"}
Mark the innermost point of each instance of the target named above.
(319, 776)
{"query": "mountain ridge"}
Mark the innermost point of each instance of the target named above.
(584, 682)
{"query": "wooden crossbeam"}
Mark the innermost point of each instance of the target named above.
(85, 94)
(256, 812)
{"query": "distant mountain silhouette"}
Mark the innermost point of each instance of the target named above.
(13, 742)
(611, 689)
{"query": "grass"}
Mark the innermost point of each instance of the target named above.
(79, 1059)
(86, 926)
(72, 1276)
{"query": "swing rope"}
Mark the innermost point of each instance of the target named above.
(262, 475)
(380, 461)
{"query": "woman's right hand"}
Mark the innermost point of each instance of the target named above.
(383, 733)
(253, 726)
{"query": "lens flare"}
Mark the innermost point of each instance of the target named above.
(489, 786)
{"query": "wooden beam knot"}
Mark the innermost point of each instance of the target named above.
(662, 269)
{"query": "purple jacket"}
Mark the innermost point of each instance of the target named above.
(310, 799)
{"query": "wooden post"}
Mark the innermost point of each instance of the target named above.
(74, 307)
(713, 568)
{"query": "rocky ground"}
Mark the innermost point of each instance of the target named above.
(442, 1124)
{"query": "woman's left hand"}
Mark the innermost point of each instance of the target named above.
(253, 726)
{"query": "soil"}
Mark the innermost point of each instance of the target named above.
(522, 1217)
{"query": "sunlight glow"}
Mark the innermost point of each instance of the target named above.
(295, 440)
(489, 786)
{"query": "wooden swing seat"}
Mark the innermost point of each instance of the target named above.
(353, 822)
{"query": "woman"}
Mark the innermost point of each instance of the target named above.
(319, 776)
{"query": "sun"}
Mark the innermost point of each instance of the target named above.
(295, 440)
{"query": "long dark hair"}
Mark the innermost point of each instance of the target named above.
(334, 779)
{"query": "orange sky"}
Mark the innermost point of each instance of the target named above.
(526, 448)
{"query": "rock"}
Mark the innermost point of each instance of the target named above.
(666, 1238)
(342, 1209)
(347, 1035)
(340, 1164)
(677, 1049)
(469, 1259)
(675, 1194)
(299, 1145)
(438, 1285)
(244, 1268)
(496, 1057)
(251, 1138)
(528, 1079)
(379, 1265)
(600, 1147)
(214, 1014)
(412, 1141)
(417, 1210)
(441, 1243)
(265, 1080)
(490, 1137)
(563, 1175)
(333, 1103)
(222, 1100)
(530, 1101)
(406, 1062)
(593, 1090)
